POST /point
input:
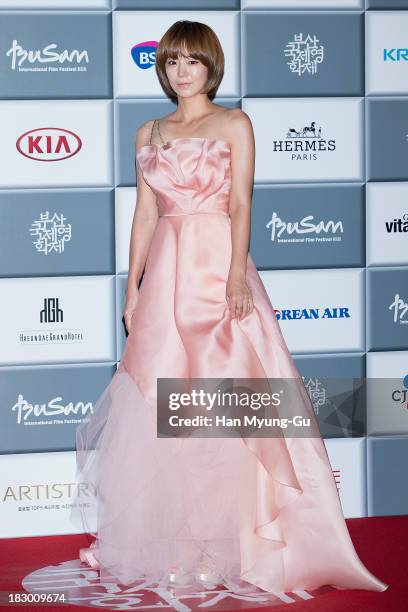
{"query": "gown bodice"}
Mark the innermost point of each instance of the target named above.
(188, 175)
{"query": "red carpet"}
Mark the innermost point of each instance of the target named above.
(381, 542)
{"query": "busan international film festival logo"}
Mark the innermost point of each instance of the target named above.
(304, 53)
(55, 410)
(50, 232)
(399, 309)
(46, 60)
(305, 230)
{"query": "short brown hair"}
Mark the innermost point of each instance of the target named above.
(200, 42)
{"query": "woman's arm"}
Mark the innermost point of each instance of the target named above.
(241, 138)
(143, 226)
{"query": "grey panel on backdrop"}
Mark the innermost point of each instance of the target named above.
(387, 475)
(80, 35)
(338, 217)
(387, 4)
(129, 116)
(387, 401)
(265, 36)
(81, 240)
(387, 131)
(387, 319)
(340, 382)
(29, 422)
(171, 5)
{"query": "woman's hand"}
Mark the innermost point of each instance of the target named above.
(129, 307)
(239, 297)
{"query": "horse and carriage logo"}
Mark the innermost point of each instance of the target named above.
(308, 131)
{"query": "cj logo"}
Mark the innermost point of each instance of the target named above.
(400, 396)
(144, 54)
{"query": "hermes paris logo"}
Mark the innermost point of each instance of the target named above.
(304, 143)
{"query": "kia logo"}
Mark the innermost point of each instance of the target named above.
(49, 144)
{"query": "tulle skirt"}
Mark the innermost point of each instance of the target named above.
(241, 511)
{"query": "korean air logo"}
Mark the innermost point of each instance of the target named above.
(291, 314)
(144, 54)
(395, 55)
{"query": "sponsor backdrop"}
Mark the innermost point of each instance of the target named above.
(325, 84)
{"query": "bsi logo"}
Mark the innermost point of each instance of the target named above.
(144, 54)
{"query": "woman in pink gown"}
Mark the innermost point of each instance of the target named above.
(261, 511)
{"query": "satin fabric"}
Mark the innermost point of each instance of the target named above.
(257, 511)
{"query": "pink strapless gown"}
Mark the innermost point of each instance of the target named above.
(264, 511)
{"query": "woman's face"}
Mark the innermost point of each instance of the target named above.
(186, 75)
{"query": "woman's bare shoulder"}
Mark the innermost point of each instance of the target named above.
(239, 117)
(238, 126)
